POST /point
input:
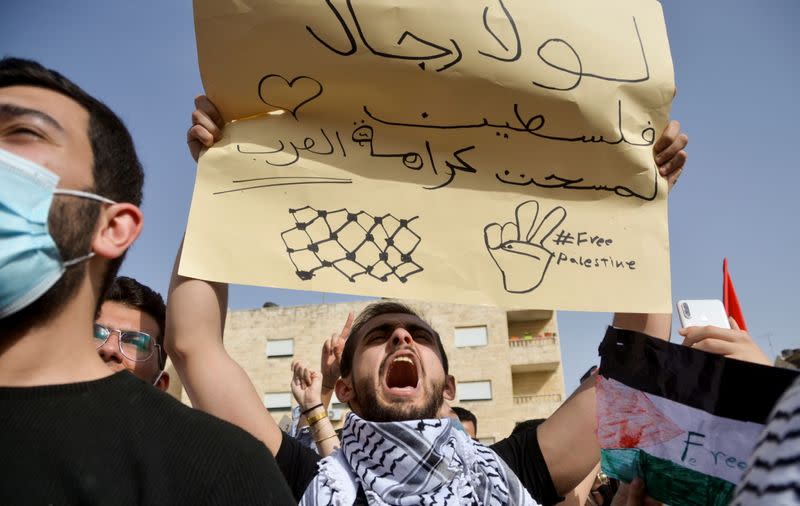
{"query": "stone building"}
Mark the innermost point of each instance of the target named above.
(507, 364)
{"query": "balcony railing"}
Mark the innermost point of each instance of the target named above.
(536, 341)
(530, 399)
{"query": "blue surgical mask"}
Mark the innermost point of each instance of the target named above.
(458, 425)
(30, 262)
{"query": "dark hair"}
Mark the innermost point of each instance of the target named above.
(116, 172)
(129, 292)
(527, 425)
(373, 311)
(465, 415)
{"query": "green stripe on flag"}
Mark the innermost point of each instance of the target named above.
(666, 481)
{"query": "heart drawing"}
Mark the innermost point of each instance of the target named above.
(277, 91)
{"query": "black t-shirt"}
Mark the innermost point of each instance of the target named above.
(520, 452)
(119, 440)
(522, 455)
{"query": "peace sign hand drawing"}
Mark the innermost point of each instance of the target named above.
(518, 248)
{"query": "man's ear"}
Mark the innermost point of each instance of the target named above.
(344, 391)
(118, 226)
(450, 388)
(163, 382)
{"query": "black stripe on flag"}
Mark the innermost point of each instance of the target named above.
(721, 386)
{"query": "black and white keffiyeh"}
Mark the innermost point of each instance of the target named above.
(418, 462)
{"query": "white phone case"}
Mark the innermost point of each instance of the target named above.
(698, 313)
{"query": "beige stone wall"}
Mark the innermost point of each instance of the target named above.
(537, 383)
(247, 332)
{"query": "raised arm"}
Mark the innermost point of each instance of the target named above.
(331, 359)
(214, 381)
(196, 311)
(306, 386)
(568, 438)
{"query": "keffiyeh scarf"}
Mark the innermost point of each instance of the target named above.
(413, 463)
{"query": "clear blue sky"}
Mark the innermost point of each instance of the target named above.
(737, 72)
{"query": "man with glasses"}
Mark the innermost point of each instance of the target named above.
(129, 331)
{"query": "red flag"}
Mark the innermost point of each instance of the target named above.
(729, 298)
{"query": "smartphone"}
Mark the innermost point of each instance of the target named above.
(698, 313)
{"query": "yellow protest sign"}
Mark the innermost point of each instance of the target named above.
(494, 152)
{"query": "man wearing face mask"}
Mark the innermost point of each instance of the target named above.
(129, 331)
(72, 430)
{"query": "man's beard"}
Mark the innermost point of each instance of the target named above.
(373, 411)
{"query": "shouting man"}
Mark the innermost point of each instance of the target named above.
(394, 376)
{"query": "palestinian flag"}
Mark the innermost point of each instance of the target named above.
(683, 420)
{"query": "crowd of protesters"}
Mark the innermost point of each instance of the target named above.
(85, 419)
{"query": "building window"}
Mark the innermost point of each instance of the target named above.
(280, 348)
(471, 336)
(474, 391)
(278, 400)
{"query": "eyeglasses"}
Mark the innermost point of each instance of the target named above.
(134, 345)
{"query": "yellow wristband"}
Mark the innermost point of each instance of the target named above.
(316, 418)
(318, 441)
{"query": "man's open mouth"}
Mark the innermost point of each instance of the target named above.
(402, 373)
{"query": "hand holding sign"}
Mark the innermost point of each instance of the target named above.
(518, 248)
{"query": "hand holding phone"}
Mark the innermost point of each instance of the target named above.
(718, 337)
(699, 313)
